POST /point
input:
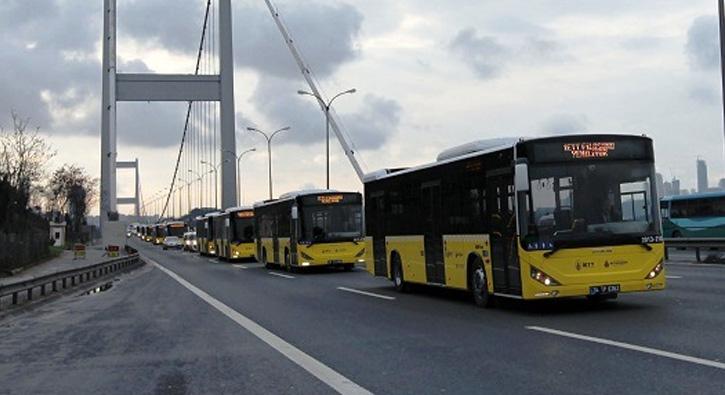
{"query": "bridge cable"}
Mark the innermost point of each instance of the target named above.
(188, 112)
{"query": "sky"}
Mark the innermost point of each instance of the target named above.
(429, 74)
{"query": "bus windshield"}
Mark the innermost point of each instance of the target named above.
(590, 204)
(243, 230)
(177, 230)
(325, 223)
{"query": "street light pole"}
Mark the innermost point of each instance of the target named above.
(326, 106)
(216, 179)
(201, 186)
(269, 151)
(188, 194)
(239, 157)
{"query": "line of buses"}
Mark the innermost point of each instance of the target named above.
(526, 219)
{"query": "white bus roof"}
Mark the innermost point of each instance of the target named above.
(296, 194)
(235, 209)
(450, 155)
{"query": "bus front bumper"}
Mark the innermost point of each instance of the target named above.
(578, 290)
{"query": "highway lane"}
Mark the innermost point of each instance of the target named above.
(430, 341)
(434, 341)
(145, 335)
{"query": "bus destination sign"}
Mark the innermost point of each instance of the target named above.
(330, 199)
(245, 214)
(592, 150)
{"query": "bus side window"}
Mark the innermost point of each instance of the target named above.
(665, 209)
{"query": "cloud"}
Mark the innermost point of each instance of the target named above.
(702, 45)
(488, 56)
(704, 94)
(375, 123)
(565, 124)
(484, 54)
(369, 128)
(175, 26)
(326, 34)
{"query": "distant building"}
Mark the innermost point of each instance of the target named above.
(702, 184)
(721, 184)
(660, 185)
(675, 187)
(57, 233)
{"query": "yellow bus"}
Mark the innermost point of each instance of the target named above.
(158, 234)
(147, 233)
(235, 238)
(522, 218)
(205, 234)
(175, 228)
(310, 228)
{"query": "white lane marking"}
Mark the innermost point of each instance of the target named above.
(670, 263)
(212, 260)
(675, 277)
(633, 347)
(323, 372)
(240, 266)
(281, 275)
(357, 291)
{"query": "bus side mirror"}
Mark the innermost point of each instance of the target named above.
(521, 177)
(294, 213)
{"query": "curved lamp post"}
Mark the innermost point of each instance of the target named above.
(269, 138)
(326, 106)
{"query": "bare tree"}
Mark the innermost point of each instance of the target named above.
(72, 192)
(23, 155)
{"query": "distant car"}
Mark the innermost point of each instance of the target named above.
(172, 242)
(190, 243)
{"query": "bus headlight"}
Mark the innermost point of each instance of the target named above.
(543, 278)
(655, 271)
(303, 255)
(361, 253)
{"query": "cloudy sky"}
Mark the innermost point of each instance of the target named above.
(430, 74)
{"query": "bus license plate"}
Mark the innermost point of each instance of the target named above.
(334, 261)
(604, 289)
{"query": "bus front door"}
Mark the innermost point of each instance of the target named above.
(502, 222)
(432, 239)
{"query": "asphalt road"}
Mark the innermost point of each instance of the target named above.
(206, 327)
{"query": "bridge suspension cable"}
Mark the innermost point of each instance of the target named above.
(202, 45)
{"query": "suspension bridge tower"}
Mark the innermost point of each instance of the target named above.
(190, 88)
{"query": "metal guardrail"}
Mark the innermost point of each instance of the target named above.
(63, 280)
(696, 243)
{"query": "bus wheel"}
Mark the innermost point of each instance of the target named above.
(287, 264)
(264, 259)
(478, 285)
(398, 277)
(348, 267)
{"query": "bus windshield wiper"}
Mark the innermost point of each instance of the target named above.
(645, 246)
(553, 251)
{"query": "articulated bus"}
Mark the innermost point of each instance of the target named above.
(525, 219)
(310, 228)
(206, 234)
(158, 234)
(235, 235)
(696, 215)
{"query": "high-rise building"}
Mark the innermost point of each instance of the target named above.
(660, 185)
(702, 184)
(675, 187)
(667, 189)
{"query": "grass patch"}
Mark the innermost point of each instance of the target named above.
(54, 252)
